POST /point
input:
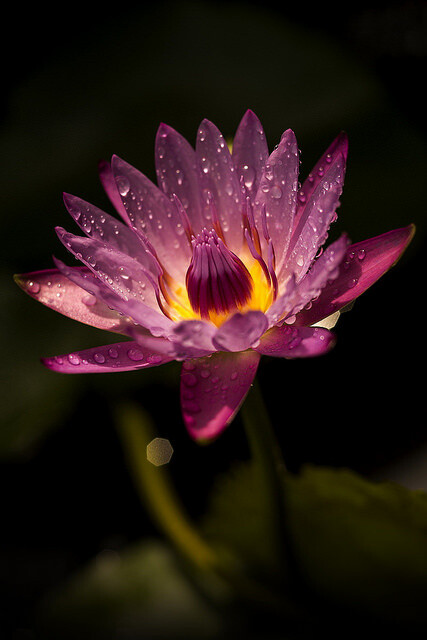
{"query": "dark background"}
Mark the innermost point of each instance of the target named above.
(88, 82)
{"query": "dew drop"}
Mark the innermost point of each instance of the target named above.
(123, 185)
(361, 254)
(189, 380)
(233, 375)
(74, 359)
(113, 353)
(276, 192)
(33, 287)
(135, 354)
(99, 358)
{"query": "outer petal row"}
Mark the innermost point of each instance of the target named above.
(364, 263)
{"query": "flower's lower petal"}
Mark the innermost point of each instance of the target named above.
(277, 192)
(122, 356)
(296, 342)
(55, 290)
(364, 263)
(178, 173)
(338, 147)
(220, 179)
(241, 331)
(152, 213)
(250, 152)
(193, 338)
(212, 390)
(131, 310)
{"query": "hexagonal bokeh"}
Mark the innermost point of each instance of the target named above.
(159, 451)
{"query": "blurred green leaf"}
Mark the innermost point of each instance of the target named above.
(140, 593)
(359, 545)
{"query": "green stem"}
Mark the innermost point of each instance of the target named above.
(270, 468)
(159, 496)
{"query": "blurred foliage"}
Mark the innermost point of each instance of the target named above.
(358, 547)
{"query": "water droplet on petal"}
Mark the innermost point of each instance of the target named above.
(123, 185)
(33, 287)
(135, 354)
(99, 358)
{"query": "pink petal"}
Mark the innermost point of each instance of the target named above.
(193, 337)
(152, 213)
(97, 224)
(108, 182)
(56, 291)
(313, 226)
(178, 173)
(221, 180)
(325, 269)
(123, 356)
(213, 389)
(241, 331)
(365, 262)
(296, 342)
(250, 152)
(339, 147)
(277, 192)
(147, 317)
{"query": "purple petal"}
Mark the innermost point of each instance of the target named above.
(241, 331)
(312, 229)
(296, 342)
(97, 224)
(110, 187)
(339, 147)
(56, 291)
(277, 193)
(178, 173)
(364, 263)
(152, 213)
(147, 317)
(123, 356)
(250, 152)
(193, 337)
(325, 269)
(212, 390)
(221, 180)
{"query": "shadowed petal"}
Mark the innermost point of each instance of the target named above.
(178, 173)
(241, 331)
(110, 187)
(220, 179)
(152, 213)
(296, 342)
(250, 152)
(313, 226)
(277, 193)
(363, 264)
(212, 390)
(339, 147)
(52, 288)
(122, 356)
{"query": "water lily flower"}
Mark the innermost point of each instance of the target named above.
(221, 263)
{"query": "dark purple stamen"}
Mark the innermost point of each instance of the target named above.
(217, 280)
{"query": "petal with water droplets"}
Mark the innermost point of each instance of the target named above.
(250, 152)
(178, 173)
(221, 180)
(339, 147)
(241, 331)
(213, 389)
(122, 356)
(364, 263)
(110, 187)
(55, 290)
(152, 213)
(296, 342)
(277, 192)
